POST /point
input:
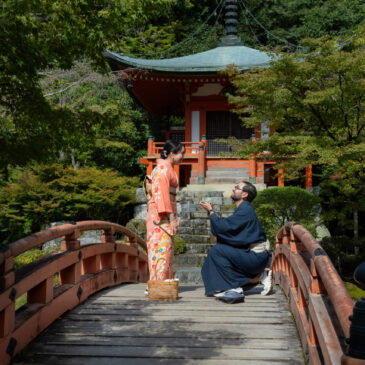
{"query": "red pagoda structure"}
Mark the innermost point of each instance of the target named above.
(194, 85)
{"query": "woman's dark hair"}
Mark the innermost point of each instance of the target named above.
(171, 146)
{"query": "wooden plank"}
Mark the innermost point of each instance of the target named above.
(164, 352)
(120, 326)
(279, 344)
(196, 330)
(172, 312)
(212, 305)
(178, 318)
(69, 360)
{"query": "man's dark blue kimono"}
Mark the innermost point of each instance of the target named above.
(230, 263)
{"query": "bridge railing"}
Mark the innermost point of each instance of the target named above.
(318, 298)
(81, 270)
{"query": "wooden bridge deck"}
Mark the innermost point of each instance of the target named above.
(119, 326)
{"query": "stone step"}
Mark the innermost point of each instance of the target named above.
(224, 180)
(189, 260)
(189, 275)
(223, 172)
(190, 238)
(198, 247)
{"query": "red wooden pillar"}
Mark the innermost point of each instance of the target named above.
(308, 177)
(281, 177)
(252, 169)
(177, 171)
(149, 168)
(7, 276)
(201, 163)
(42, 293)
(7, 320)
(150, 146)
(71, 274)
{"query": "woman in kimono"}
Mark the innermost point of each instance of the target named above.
(162, 220)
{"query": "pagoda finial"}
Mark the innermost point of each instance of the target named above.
(231, 22)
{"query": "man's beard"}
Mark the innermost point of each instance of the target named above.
(234, 198)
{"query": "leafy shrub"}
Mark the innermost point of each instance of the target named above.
(53, 193)
(117, 155)
(345, 253)
(355, 292)
(138, 226)
(179, 245)
(31, 255)
(276, 206)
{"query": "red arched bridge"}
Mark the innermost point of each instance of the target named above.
(119, 326)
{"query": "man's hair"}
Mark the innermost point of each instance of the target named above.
(250, 189)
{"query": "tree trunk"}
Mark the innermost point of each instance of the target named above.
(356, 231)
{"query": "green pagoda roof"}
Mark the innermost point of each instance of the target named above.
(212, 61)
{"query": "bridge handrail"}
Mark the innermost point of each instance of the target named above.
(331, 280)
(315, 290)
(36, 239)
(81, 270)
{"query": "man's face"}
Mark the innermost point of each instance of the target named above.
(237, 193)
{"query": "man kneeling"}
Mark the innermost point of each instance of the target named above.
(239, 258)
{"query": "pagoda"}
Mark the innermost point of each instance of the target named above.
(195, 86)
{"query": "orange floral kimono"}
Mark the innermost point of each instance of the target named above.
(160, 243)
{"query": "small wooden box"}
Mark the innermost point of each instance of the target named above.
(163, 290)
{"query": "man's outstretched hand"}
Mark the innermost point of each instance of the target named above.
(206, 205)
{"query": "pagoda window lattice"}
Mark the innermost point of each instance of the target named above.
(178, 137)
(224, 124)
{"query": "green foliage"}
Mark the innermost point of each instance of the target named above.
(316, 103)
(177, 31)
(117, 155)
(346, 253)
(276, 206)
(340, 205)
(32, 255)
(52, 193)
(45, 34)
(355, 292)
(292, 20)
(138, 226)
(179, 245)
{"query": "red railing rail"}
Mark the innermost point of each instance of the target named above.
(82, 270)
(318, 298)
(191, 148)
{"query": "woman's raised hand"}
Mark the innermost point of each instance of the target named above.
(175, 226)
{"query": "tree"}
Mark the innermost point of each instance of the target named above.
(269, 23)
(121, 138)
(315, 101)
(279, 205)
(40, 34)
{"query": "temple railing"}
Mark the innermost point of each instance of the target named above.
(317, 296)
(79, 270)
(191, 148)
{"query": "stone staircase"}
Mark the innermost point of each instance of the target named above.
(195, 228)
(217, 174)
(226, 176)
